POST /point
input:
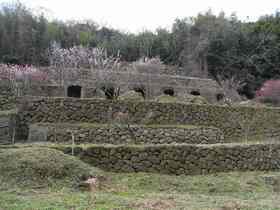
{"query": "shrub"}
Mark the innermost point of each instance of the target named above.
(269, 92)
(131, 96)
(185, 99)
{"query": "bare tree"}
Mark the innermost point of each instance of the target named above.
(230, 88)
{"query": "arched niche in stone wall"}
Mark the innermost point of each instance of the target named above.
(141, 90)
(74, 91)
(220, 96)
(195, 93)
(169, 92)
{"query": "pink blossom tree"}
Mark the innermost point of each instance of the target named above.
(20, 77)
(269, 92)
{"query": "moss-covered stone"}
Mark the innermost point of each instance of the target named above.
(124, 134)
(7, 126)
(131, 96)
(7, 102)
(181, 159)
(183, 99)
(234, 122)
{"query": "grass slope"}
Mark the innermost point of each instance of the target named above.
(33, 166)
(223, 191)
(229, 191)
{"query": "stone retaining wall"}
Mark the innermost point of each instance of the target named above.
(234, 122)
(7, 103)
(5, 88)
(124, 134)
(46, 91)
(7, 125)
(181, 159)
(7, 99)
(152, 84)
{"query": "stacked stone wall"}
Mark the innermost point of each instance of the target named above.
(152, 83)
(7, 99)
(46, 91)
(7, 125)
(123, 134)
(7, 103)
(234, 122)
(181, 159)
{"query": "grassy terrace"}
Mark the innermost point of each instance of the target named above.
(223, 191)
(229, 191)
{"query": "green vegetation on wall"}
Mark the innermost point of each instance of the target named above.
(234, 122)
(180, 159)
(81, 133)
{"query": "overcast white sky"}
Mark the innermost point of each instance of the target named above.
(134, 16)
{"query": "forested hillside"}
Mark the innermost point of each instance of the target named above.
(225, 47)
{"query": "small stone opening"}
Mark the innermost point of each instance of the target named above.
(220, 96)
(195, 93)
(74, 91)
(169, 92)
(140, 90)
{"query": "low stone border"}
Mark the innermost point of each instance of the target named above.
(181, 159)
(123, 134)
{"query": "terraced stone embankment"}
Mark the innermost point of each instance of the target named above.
(124, 134)
(234, 122)
(7, 99)
(7, 125)
(7, 103)
(180, 159)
